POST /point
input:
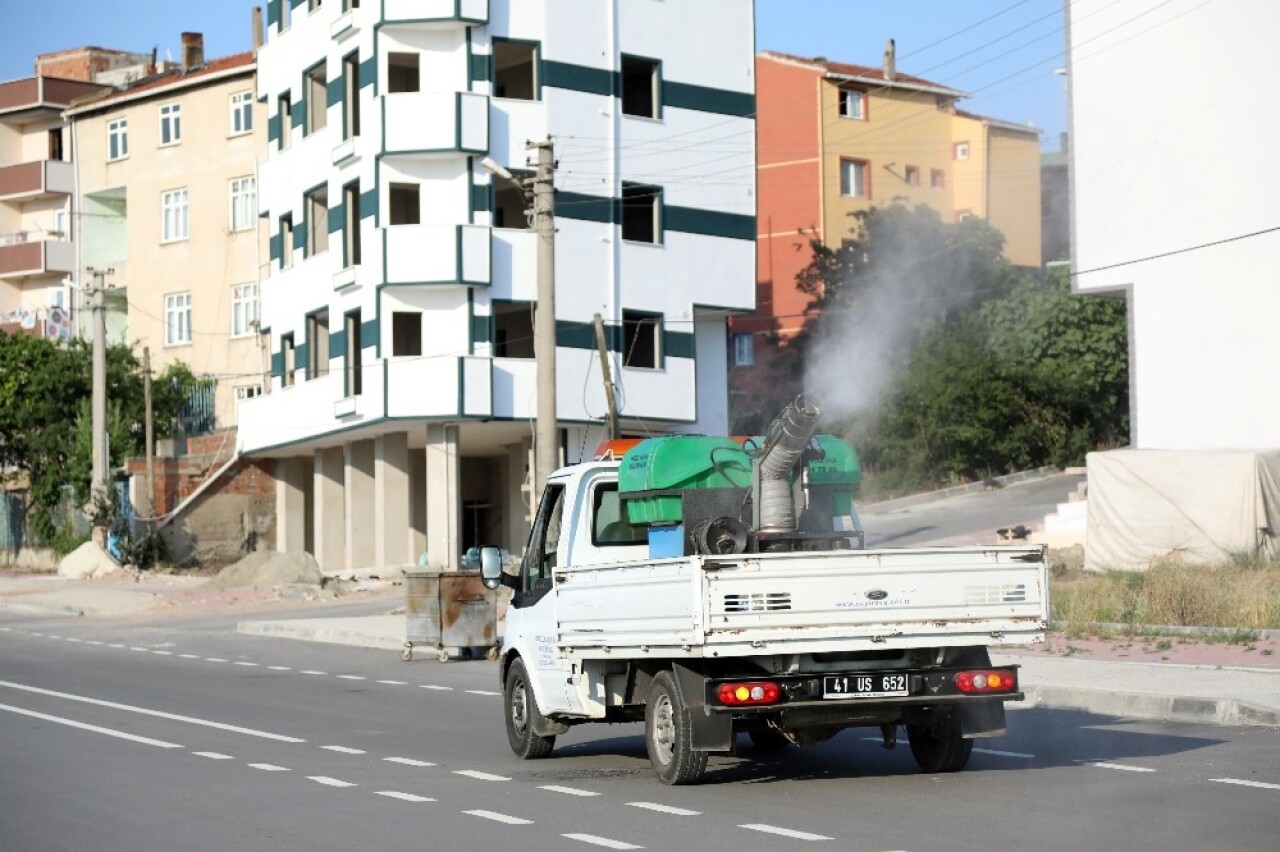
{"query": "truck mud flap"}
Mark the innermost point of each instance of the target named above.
(982, 719)
(708, 731)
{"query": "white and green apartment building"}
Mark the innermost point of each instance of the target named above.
(402, 277)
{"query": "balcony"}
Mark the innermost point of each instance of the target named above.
(32, 181)
(425, 124)
(435, 14)
(437, 254)
(27, 253)
(461, 386)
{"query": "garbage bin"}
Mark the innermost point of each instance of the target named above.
(449, 609)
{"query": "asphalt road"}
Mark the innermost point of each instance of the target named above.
(178, 736)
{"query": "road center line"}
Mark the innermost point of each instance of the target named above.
(213, 755)
(174, 717)
(407, 761)
(481, 692)
(439, 688)
(73, 639)
(188, 656)
(163, 653)
(71, 723)
(313, 672)
(1123, 766)
(997, 753)
(350, 677)
(246, 663)
(783, 832)
(214, 660)
(568, 791)
(329, 782)
(404, 797)
(601, 841)
(664, 809)
(497, 817)
(343, 749)
(394, 682)
(280, 668)
(481, 776)
(1243, 783)
(268, 767)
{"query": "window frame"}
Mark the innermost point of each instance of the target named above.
(655, 205)
(352, 243)
(499, 310)
(402, 190)
(286, 240)
(864, 169)
(535, 86)
(640, 532)
(243, 213)
(317, 226)
(353, 355)
(744, 349)
(937, 179)
(911, 175)
(845, 98)
(317, 361)
(393, 79)
(284, 112)
(633, 322)
(181, 209)
(241, 105)
(177, 319)
(655, 86)
(317, 119)
(118, 129)
(170, 115)
(245, 309)
(403, 338)
(351, 96)
(288, 360)
(960, 151)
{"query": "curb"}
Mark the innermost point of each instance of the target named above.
(1153, 707)
(331, 635)
(956, 490)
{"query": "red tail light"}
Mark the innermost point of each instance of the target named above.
(748, 693)
(982, 681)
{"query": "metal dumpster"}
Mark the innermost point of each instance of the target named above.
(449, 609)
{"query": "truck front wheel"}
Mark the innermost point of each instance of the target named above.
(667, 734)
(936, 743)
(521, 709)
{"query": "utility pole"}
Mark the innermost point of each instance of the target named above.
(610, 394)
(150, 436)
(547, 435)
(101, 449)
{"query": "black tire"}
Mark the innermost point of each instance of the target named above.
(768, 739)
(936, 743)
(667, 731)
(521, 708)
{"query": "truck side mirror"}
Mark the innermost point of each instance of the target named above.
(491, 567)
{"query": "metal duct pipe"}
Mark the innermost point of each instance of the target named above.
(775, 510)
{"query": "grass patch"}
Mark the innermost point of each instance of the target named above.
(1238, 597)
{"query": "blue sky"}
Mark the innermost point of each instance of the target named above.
(1003, 52)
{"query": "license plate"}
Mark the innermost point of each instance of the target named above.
(869, 685)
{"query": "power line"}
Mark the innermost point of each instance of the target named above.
(1185, 250)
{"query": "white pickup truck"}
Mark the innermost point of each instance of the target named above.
(784, 645)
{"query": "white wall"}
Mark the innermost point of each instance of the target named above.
(1173, 145)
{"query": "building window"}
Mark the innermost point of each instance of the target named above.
(744, 349)
(937, 179)
(118, 139)
(286, 241)
(241, 113)
(513, 329)
(354, 379)
(244, 309)
(960, 150)
(177, 319)
(312, 5)
(317, 84)
(853, 179)
(174, 219)
(244, 203)
(641, 87)
(961, 215)
(405, 204)
(348, 5)
(288, 366)
(853, 104)
(402, 72)
(641, 213)
(170, 124)
(286, 14)
(641, 339)
(509, 203)
(515, 70)
(284, 108)
(316, 207)
(913, 175)
(248, 391)
(351, 96)
(318, 345)
(351, 246)
(406, 333)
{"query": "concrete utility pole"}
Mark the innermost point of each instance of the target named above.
(610, 393)
(150, 439)
(547, 435)
(101, 450)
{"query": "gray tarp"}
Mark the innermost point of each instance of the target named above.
(1201, 505)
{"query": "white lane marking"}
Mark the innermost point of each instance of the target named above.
(394, 682)
(343, 749)
(568, 791)
(92, 642)
(997, 753)
(480, 776)
(783, 832)
(664, 809)
(350, 677)
(174, 717)
(404, 797)
(142, 650)
(213, 755)
(481, 692)
(407, 761)
(329, 782)
(497, 817)
(6, 629)
(115, 645)
(36, 634)
(601, 841)
(163, 653)
(53, 636)
(1243, 783)
(214, 660)
(188, 656)
(280, 668)
(244, 663)
(439, 688)
(313, 672)
(73, 639)
(268, 767)
(1123, 766)
(71, 723)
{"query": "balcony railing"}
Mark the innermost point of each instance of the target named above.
(435, 13)
(36, 180)
(435, 123)
(437, 254)
(26, 253)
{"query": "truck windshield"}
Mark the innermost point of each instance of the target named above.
(609, 524)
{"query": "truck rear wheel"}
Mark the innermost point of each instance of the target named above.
(667, 733)
(521, 710)
(936, 743)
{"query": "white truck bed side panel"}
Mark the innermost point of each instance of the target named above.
(630, 605)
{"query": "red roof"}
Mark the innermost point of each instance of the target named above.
(170, 78)
(867, 72)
